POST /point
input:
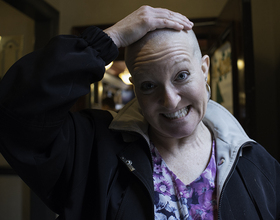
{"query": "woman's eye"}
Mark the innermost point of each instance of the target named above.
(182, 76)
(147, 86)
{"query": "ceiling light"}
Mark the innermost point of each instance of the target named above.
(125, 75)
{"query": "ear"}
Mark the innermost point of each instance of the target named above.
(205, 64)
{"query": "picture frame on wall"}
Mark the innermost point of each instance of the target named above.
(222, 76)
(10, 51)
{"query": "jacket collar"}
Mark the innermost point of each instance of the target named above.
(224, 125)
(229, 137)
(221, 122)
(228, 134)
(130, 122)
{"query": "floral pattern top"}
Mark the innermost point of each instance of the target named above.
(176, 201)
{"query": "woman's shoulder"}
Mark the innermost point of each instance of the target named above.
(260, 160)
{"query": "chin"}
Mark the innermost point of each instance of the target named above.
(178, 133)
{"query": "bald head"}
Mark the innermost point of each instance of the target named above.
(158, 40)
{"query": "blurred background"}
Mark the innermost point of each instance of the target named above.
(240, 36)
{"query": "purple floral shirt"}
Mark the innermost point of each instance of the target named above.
(176, 201)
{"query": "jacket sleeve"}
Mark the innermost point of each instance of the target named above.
(36, 129)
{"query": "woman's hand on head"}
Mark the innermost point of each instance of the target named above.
(145, 19)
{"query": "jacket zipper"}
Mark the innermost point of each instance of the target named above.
(229, 176)
(129, 165)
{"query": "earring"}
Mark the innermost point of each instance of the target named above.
(208, 90)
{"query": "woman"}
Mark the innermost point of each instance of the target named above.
(157, 158)
(169, 76)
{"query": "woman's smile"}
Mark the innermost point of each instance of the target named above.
(178, 114)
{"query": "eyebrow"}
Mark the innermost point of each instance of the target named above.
(185, 59)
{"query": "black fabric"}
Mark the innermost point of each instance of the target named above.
(253, 190)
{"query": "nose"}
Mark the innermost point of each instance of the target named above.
(170, 97)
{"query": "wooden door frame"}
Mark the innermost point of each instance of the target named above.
(46, 26)
(45, 16)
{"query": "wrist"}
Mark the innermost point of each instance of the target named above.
(112, 35)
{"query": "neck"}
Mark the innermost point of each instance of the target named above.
(200, 139)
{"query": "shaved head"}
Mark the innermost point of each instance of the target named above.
(148, 45)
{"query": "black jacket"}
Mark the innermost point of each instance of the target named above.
(77, 163)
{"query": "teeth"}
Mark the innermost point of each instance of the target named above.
(179, 114)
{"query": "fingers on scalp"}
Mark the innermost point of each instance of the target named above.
(166, 23)
(173, 16)
(162, 18)
(173, 20)
(179, 17)
(182, 20)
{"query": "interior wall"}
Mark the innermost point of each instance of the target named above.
(266, 35)
(88, 12)
(14, 199)
(13, 22)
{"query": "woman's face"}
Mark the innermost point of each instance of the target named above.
(169, 82)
